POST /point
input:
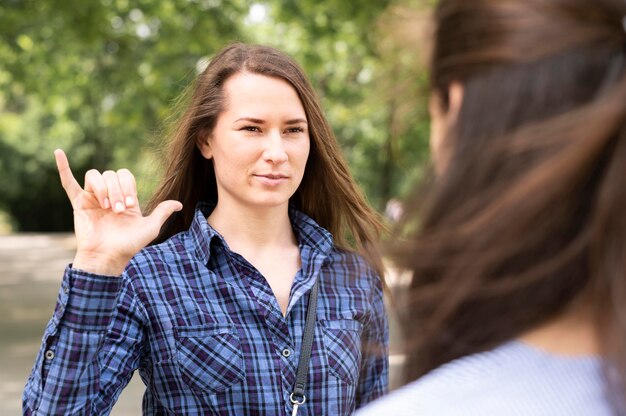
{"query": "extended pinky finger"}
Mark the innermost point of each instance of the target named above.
(72, 188)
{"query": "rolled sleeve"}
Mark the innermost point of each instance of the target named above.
(90, 299)
(85, 305)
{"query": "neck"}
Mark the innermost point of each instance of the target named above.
(571, 333)
(253, 229)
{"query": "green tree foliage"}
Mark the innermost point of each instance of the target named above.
(98, 79)
(95, 78)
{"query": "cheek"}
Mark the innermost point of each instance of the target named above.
(306, 150)
(304, 156)
(299, 152)
(224, 167)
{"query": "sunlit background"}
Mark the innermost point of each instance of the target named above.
(100, 80)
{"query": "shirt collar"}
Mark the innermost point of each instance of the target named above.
(202, 234)
(308, 232)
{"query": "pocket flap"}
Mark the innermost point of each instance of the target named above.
(346, 324)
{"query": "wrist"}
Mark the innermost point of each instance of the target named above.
(98, 263)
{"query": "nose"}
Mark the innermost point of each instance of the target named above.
(274, 151)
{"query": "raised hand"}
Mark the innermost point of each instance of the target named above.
(108, 223)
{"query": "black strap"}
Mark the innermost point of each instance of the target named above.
(298, 397)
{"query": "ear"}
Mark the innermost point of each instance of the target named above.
(203, 142)
(455, 98)
(451, 111)
(442, 120)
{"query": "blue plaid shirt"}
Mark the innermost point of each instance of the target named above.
(206, 332)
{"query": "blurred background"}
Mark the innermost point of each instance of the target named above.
(100, 79)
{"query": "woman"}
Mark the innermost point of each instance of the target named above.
(517, 300)
(213, 313)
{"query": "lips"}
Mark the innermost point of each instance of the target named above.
(272, 179)
(273, 176)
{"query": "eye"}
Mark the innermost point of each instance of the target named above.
(250, 128)
(295, 130)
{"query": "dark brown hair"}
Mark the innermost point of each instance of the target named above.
(328, 193)
(530, 214)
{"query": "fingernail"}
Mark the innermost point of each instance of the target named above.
(107, 204)
(129, 201)
(119, 207)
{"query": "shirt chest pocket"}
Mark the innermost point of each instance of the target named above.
(209, 357)
(342, 343)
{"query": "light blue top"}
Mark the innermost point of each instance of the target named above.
(513, 379)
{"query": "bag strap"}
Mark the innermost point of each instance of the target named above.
(297, 397)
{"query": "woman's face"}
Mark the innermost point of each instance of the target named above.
(260, 143)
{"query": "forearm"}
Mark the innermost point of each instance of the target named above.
(65, 376)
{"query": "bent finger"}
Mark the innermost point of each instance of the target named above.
(128, 186)
(95, 184)
(114, 190)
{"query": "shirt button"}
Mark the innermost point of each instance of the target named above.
(49, 355)
(66, 290)
(286, 352)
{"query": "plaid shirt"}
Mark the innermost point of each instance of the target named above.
(206, 332)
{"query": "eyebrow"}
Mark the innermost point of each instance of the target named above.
(296, 121)
(259, 121)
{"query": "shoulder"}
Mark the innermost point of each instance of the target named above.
(347, 263)
(351, 262)
(354, 288)
(348, 268)
(512, 379)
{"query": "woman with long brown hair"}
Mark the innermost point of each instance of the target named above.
(517, 304)
(260, 289)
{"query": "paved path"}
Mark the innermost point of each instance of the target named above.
(31, 268)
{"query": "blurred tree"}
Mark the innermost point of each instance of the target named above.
(95, 78)
(98, 79)
(402, 85)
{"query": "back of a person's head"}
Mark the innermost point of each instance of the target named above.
(529, 214)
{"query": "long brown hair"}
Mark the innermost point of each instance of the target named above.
(530, 214)
(328, 193)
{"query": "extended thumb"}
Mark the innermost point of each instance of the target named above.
(164, 210)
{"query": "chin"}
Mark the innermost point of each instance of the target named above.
(271, 202)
